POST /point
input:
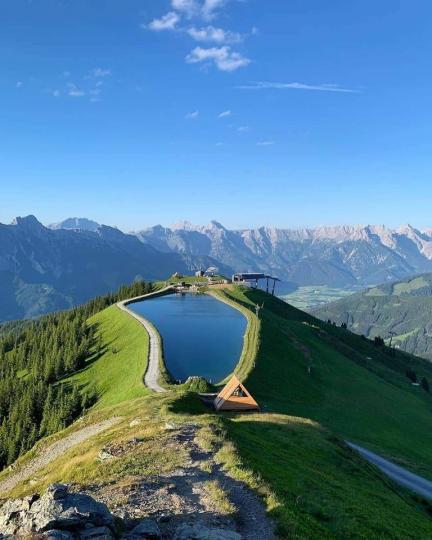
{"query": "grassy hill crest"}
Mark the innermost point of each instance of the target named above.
(317, 385)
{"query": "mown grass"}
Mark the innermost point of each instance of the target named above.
(251, 338)
(368, 403)
(116, 370)
(316, 487)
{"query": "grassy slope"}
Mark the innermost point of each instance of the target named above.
(323, 489)
(117, 375)
(312, 483)
(404, 308)
(375, 407)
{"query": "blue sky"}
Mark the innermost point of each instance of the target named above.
(251, 112)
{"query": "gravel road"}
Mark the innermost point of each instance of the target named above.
(153, 372)
(398, 474)
(48, 454)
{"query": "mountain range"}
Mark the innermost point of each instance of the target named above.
(340, 256)
(401, 311)
(46, 269)
(50, 268)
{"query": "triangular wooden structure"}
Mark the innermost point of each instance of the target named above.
(235, 397)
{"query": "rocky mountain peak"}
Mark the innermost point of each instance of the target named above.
(76, 223)
(28, 223)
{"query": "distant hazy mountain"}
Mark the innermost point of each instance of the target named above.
(403, 308)
(43, 269)
(82, 224)
(335, 256)
(47, 268)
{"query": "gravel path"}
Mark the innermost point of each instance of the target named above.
(181, 494)
(398, 474)
(50, 453)
(153, 372)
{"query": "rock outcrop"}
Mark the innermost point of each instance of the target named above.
(57, 514)
(62, 515)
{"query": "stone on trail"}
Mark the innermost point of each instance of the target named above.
(104, 455)
(56, 534)
(147, 529)
(199, 532)
(96, 533)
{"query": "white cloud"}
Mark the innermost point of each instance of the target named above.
(166, 22)
(74, 91)
(223, 58)
(210, 6)
(195, 8)
(225, 114)
(265, 143)
(192, 115)
(215, 35)
(100, 72)
(262, 85)
(243, 129)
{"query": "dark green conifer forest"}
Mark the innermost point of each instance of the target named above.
(34, 358)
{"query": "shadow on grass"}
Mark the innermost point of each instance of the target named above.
(189, 403)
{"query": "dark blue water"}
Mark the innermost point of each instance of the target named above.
(201, 335)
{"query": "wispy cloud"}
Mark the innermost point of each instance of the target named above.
(166, 22)
(18, 84)
(187, 7)
(225, 114)
(214, 35)
(265, 143)
(194, 8)
(192, 115)
(99, 72)
(223, 57)
(263, 85)
(210, 7)
(74, 91)
(243, 129)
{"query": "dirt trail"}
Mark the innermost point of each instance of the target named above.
(181, 496)
(48, 454)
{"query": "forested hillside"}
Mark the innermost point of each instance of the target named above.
(400, 311)
(34, 358)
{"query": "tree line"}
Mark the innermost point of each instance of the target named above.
(34, 401)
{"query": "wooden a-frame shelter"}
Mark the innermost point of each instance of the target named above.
(235, 397)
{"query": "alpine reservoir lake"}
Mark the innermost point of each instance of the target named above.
(201, 335)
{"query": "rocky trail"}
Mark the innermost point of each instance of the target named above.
(181, 498)
(198, 500)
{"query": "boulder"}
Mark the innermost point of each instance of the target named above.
(56, 534)
(199, 532)
(56, 510)
(96, 533)
(147, 528)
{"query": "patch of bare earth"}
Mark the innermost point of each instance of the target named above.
(199, 492)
